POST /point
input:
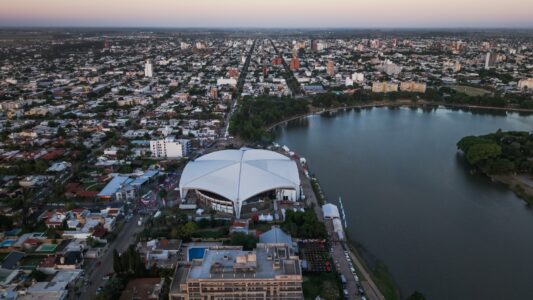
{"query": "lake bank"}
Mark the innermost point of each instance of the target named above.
(401, 103)
(516, 184)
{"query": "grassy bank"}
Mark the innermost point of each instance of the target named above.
(380, 275)
(385, 282)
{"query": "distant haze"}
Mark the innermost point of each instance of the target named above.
(268, 13)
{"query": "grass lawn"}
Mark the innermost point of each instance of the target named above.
(470, 90)
(326, 285)
(385, 282)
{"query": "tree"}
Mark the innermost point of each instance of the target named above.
(188, 230)
(465, 143)
(131, 262)
(163, 193)
(61, 132)
(38, 275)
(416, 296)
(117, 262)
(247, 241)
(481, 152)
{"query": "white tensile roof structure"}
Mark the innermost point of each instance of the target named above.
(238, 175)
(330, 211)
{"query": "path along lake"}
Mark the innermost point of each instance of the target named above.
(411, 202)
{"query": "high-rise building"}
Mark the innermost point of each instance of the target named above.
(233, 72)
(314, 45)
(490, 60)
(411, 86)
(330, 68)
(277, 61)
(295, 62)
(384, 87)
(148, 69)
(169, 148)
(213, 93)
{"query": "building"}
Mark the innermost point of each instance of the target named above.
(169, 148)
(276, 236)
(526, 84)
(314, 45)
(295, 63)
(226, 81)
(384, 87)
(213, 93)
(227, 179)
(411, 86)
(233, 72)
(276, 61)
(390, 68)
(268, 272)
(148, 69)
(490, 60)
(358, 77)
(330, 68)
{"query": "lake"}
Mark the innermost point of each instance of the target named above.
(412, 203)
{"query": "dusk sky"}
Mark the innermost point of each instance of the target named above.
(268, 13)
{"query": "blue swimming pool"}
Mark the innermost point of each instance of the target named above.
(6, 243)
(195, 253)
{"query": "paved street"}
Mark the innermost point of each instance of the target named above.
(96, 273)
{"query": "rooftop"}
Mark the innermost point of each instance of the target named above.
(260, 263)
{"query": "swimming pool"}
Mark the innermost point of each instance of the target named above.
(196, 253)
(7, 243)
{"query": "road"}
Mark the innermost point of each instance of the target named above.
(292, 82)
(95, 273)
(341, 262)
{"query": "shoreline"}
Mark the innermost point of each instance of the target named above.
(401, 103)
(382, 280)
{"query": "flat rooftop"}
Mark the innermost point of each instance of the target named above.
(264, 263)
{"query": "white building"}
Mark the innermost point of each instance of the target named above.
(226, 81)
(348, 81)
(169, 147)
(148, 69)
(358, 77)
(227, 179)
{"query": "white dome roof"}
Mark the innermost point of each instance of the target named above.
(239, 174)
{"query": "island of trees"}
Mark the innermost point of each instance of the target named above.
(504, 156)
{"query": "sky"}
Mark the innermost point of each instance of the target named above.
(269, 13)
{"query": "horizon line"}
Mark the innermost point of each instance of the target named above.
(423, 28)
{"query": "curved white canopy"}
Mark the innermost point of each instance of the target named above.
(239, 174)
(330, 211)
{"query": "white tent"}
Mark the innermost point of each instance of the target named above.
(330, 211)
(238, 175)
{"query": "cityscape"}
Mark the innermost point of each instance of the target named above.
(237, 160)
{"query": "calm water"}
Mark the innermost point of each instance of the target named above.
(412, 204)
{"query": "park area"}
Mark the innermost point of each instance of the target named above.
(470, 90)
